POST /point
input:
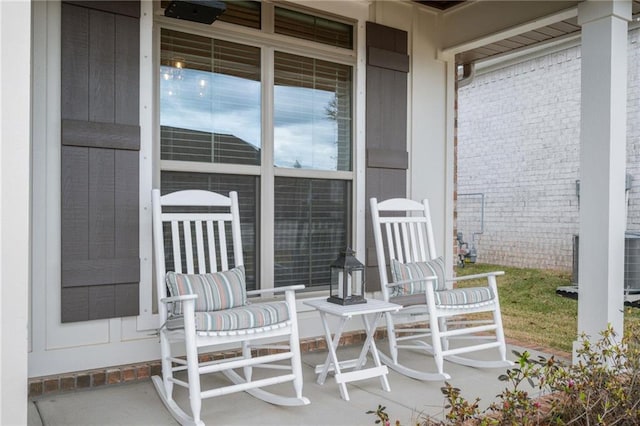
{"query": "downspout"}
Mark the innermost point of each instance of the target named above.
(468, 74)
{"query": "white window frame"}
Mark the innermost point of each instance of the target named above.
(268, 42)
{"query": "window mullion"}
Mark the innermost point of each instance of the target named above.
(268, 17)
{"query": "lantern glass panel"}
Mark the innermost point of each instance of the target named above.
(337, 276)
(357, 283)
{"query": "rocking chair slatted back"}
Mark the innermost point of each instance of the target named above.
(407, 238)
(210, 242)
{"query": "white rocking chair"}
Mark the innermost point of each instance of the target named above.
(208, 306)
(403, 234)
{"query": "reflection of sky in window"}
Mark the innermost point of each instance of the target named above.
(210, 102)
(304, 133)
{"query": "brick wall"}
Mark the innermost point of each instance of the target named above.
(633, 130)
(518, 148)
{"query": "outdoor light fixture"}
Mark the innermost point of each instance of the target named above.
(203, 11)
(347, 280)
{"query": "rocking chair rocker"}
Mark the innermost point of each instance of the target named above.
(404, 240)
(208, 306)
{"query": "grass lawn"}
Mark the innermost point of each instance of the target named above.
(532, 312)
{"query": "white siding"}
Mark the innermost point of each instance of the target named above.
(58, 348)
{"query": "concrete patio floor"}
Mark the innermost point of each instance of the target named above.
(138, 404)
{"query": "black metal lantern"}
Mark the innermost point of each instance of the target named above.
(347, 280)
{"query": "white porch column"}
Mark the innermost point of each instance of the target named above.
(15, 100)
(602, 164)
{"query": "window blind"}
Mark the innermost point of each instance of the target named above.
(311, 73)
(245, 13)
(314, 28)
(311, 227)
(192, 145)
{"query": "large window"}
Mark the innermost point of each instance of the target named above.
(273, 124)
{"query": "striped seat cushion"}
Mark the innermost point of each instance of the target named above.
(464, 296)
(409, 300)
(449, 298)
(238, 318)
(414, 272)
(216, 291)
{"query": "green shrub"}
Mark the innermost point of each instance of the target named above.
(602, 388)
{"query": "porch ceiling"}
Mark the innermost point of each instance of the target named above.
(542, 34)
(527, 39)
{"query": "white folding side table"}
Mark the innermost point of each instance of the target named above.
(373, 307)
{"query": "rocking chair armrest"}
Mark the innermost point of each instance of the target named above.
(476, 276)
(276, 289)
(175, 299)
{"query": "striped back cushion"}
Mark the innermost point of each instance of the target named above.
(414, 271)
(216, 291)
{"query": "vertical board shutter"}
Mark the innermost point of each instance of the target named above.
(100, 160)
(386, 128)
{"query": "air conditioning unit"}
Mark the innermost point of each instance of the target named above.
(631, 261)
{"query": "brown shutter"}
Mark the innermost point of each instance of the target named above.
(386, 128)
(100, 149)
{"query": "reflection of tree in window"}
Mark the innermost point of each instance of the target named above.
(332, 109)
(332, 113)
